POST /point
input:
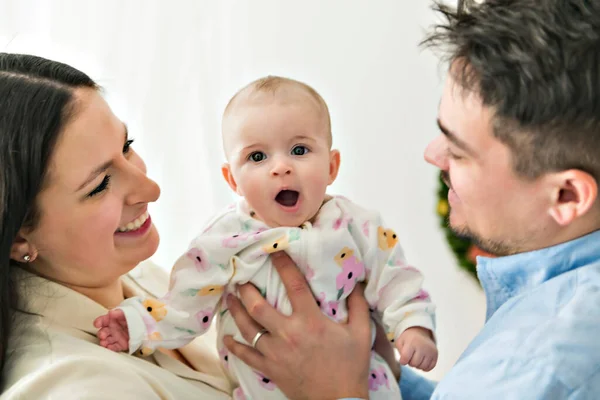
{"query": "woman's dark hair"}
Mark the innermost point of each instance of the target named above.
(36, 102)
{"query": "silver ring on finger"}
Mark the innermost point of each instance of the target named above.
(257, 337)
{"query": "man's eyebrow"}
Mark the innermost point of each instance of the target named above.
(104, 166)
(453, 138)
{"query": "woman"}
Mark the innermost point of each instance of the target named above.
(74, 224)
(74, 220)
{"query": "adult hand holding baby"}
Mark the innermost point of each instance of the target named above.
(306, 354)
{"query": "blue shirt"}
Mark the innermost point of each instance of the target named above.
(541, 339)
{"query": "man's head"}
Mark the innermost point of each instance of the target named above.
(520, 121)
(277, 139)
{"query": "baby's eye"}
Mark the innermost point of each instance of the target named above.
(257, 156)
(299, 150)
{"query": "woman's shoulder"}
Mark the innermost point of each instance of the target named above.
(148, 279)
(37, 344)
(51, 356)
(48, 361)
(38, 349)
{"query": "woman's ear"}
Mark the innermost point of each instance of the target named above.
(22, 250)
(574, 194)
(226, 171)
(334, 165)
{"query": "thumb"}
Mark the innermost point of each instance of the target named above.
(358, 310)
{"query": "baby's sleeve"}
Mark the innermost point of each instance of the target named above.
(197, 283)
(394, 288)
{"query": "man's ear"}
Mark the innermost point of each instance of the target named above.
(334, 165)
(21, 248)
(573, 195)
(226, 171)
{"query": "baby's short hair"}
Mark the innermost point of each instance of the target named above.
(276, 86)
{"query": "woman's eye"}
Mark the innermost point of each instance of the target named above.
(127, 146)
(299, 150)
(101, 187)
(257, 156)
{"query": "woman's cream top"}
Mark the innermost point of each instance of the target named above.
(54, 352)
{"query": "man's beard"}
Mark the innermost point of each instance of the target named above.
(495, 247)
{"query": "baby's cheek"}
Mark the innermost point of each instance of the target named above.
(255, 191)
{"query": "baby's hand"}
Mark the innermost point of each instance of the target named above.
(417, 348)
(112, 330)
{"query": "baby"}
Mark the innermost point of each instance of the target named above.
(277, 140)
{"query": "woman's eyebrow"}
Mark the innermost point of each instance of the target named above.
(104, 166)
(95, 173)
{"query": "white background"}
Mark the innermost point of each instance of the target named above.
(168, 69)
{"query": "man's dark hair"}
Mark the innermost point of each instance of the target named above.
(536, 63)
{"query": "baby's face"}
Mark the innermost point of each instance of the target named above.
(280, 159)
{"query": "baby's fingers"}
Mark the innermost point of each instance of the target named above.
(101, 321)
(111, 339)
(406, 354)
(104, 333)
(115, 347)
(427, 364)
(120, 342)
(115, 343)
(416, 360)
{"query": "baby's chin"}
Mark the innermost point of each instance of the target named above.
(286, 223)
(292, 221)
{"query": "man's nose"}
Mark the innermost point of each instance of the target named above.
(435, 153)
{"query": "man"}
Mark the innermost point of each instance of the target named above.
(520, 150)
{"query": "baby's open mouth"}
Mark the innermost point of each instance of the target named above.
(287, 198)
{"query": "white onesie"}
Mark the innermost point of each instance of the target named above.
(345, 244)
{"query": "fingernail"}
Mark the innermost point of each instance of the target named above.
(276, 256)
(229, 299)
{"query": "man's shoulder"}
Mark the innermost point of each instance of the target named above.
(569, 340)
(543, 340)
(552, 359)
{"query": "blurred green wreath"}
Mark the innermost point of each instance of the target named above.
(464, 249)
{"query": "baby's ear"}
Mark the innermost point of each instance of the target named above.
(334, 165)
(226, 171)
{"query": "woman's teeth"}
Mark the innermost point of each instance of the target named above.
(132, 226)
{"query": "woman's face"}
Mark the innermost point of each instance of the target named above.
(93, 225)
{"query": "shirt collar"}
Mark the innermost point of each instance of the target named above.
(505, 277)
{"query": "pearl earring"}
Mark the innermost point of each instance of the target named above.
(26, 258)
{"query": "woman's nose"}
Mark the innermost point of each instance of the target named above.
(141, 188)
(435, 153)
